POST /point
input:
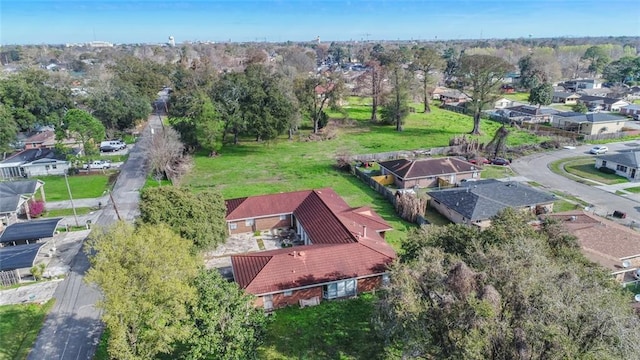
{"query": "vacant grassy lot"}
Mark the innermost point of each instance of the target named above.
(635, 189)
(82, 186)
(331, 330)
(520, 97)
(496, 172)
(67, 212)
(19, 327)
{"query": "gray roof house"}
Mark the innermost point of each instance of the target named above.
(588, 124)
(529, 113)
(477, 202)
(430, 172)
(34, 162)
(625, 164)
(605, 103)
(632, 109)
(564, 97)
(14, 197)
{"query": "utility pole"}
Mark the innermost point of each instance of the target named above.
(75, 215)
(114, 206)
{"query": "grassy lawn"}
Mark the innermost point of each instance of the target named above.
(67, 212)
(585, 168)
(82, 186)
(562, 107)
(19, 327)
(496, 172)
(564, 205)
(635, 189)
(331, 330)
(151, 182)
(520, 97)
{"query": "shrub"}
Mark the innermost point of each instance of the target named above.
(36, 208)
(607, 170)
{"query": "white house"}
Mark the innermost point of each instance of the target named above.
(625, 164)
(33, 162)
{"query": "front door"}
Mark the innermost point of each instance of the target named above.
(633, 173)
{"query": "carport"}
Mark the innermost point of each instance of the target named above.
(15, 258)
(29, 232)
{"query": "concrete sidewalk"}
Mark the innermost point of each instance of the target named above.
(66, 204)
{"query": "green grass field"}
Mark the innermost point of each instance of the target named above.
(67, 212)
(585, 168)
(82, 186)
(19, 327)
(520, 97)
(331, 330)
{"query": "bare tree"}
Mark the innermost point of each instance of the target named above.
(480, 76)
(166, 155)
(425, 61)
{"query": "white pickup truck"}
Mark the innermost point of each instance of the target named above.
(97, 164)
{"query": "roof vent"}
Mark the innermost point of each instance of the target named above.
(573, 218)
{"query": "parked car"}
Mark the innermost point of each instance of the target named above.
(97, 164)
(481, 160)
(500, 161)
(112, 145)
(599, 149)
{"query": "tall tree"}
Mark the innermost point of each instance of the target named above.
(597, 58)
(396, 108)
(315, 93)
(541, 94)
(484, 303)
(119, 105)
(480, 76)
(147, 76)
(86, 128)
(8, 129)
(530, 74)
(145, 275)
(227, 94)
(227, 324)
(199, 218)
(623, 70)
(452, 58)
(426, 60)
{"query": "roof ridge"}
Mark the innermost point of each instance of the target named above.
(375, 250)
(352, 210)
(270, 257)
(335, 215)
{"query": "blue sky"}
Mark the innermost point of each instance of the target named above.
(124, 21)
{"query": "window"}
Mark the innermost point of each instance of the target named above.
(340, 289)
(54, 166)
(621, 168)
(46, 167)
(604, 163)
(248, 222)
(233, 226)
(288, 293)
(385, 279)
(283, 217)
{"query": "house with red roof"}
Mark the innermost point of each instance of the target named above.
(343, 250)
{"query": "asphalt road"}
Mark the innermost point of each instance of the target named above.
(536, 167)
(72, 329)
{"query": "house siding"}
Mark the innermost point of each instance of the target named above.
(241, 227)
(432, 181)
(280, 300)
(42, 170)
(614, 166)
(369, 284)
(272, 223)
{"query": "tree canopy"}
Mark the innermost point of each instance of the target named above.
(426, 60)
(145, 275)
(86, 128)
(119, 105)
(505, 293)
(597, 58)
(199, 218)
(541, 94)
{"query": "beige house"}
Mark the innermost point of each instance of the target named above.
(430, 172)
(476, 202)
(589, 124)
(607, 243)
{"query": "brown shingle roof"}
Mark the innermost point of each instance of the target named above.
(421, 168)
(282, 269)
(603, 241)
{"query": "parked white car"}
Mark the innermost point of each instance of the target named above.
(97, 164)
(599, 149)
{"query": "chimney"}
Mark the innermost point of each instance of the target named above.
(364, 231)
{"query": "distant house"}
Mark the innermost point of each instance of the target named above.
(529, 113)
(507, 89)
(630, 110)
(625, 164)
(579, 84)
(453, 96)
(602, 103)
(588, 124)
(429, 172)
(14, 199)
(46, 139)
(34, 162)
(567, 98)
(605, 242)
(603, 92)
(439, 90)
(475, 203)
(344, 251)
(502, 103)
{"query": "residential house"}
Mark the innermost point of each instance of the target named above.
(343, 252)
(589, 124)
(14, 199)
(476, 202)
(507, 89)
(602, 92)
(34, 162)
(46, 139)
(439, 90)
(502, 103)
(630, 110)
(453, 96)
(605, 242)
(625, 163)
(602, 103)
(529, 113)
(579, 84)
(430, 172)
(567, 98)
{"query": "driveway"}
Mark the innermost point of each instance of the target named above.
(536, 168)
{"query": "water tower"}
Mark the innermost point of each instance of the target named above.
(172, 41)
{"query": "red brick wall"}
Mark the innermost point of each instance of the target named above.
(273, 222)
(369, 284)
(279, 300)
(241, 228)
